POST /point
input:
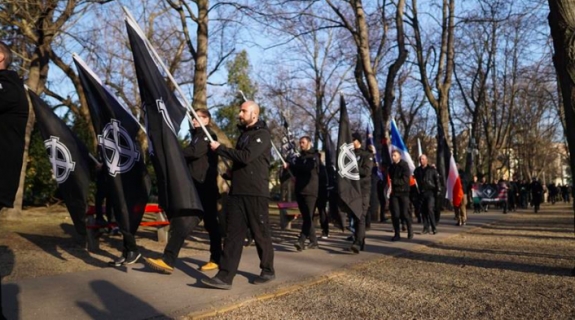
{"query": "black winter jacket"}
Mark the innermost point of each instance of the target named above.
(399, 174)
(427, 179)
(365, 163)
(306, 171)
(202, 161)
(251, 157)
(13, 118)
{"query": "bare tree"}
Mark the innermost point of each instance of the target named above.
(441, 56)
(317, 72)
(38, 27)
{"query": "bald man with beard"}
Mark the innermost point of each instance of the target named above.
(248, 198)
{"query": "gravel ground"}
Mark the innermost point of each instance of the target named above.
(517, 268)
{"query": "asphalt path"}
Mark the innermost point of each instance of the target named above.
(137, 292)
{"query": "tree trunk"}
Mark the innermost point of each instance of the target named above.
(389, 92)
(562, 23)
(201, 68)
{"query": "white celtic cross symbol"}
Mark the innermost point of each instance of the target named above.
(61, 159)
(347, 163)
(120, 152)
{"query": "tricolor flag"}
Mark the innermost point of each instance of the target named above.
(70, 161)
(347, 167)
(454, 187)
(128, 181)
(397, 144)
(164, 113)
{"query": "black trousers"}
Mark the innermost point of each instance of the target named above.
(321, 206)
(359, 223)
(244, 212)
(129, 241)
(211, 222)
(306, 205)
(428, 210)
(374, 205)
(382, 200)
(399, 205)
(181, 227)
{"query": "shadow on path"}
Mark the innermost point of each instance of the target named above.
(109, 295)
(9, 306)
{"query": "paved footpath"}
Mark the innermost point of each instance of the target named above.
(136, 292)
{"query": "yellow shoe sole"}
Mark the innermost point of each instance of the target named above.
(159, 265)
(209, 266)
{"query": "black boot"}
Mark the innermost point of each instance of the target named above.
(313, 242)
(355, 247)
(396, 237)
(300, 243)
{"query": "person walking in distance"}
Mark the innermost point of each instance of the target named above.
(429, 187)
(248, 198)
(536, 193)
(202, 162)
(399, 199)
(461, 210)
(305, 168)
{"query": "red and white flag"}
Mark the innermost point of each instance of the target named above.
(454, 187)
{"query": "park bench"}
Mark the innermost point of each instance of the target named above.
(289, 212)
(159, 220)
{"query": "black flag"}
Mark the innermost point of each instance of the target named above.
(288, 145)
(70, 161)
(117, 130)
(347, 168)
(164, 113)
(333, 195)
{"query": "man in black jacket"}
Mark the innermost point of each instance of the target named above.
(364, 162)
(13, 118)
(399, 175)
(203, 163)
(305, 168)
(248, 199)
(429, 187)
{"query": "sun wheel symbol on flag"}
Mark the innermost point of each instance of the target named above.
(347, 163)
(60, 158)
(119, 150)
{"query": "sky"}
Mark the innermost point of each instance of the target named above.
(250, 38)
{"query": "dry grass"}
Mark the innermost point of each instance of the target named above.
(518, 268)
